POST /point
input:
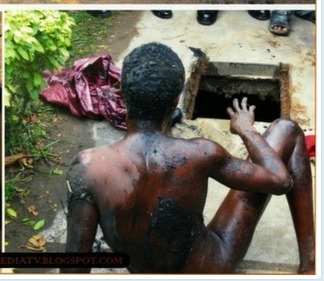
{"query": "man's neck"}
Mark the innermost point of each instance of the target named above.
(143, 126)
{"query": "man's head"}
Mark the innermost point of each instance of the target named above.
(152, 79)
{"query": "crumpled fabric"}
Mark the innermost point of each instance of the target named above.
(90, 89)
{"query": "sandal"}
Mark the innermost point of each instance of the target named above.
(306, 15)
(280, 18)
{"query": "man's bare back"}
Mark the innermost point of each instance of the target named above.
(148, 191)
(175, 192)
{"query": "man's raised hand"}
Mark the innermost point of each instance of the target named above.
(242, 117)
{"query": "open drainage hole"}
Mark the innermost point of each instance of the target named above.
(215, 93)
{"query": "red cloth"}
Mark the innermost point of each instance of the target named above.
(311, 145)
(91, 89)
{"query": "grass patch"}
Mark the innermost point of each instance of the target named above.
(88, 32)
(26, 142)
(27, 132)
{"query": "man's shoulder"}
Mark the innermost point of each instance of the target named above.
(203, 147)
(84, 157)
(198, 142)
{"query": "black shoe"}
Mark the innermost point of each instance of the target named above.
(206, 17)
(260, 14)
(163, 14)
(100, 13)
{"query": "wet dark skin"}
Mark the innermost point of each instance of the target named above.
(135, 187)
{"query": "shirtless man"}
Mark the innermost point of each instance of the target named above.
(147, 191)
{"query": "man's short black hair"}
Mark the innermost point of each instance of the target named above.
(152, 78)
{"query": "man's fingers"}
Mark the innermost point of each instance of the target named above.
(230, 111)
(243, 107)
(251, 109)
(236, 105)
(244, 103)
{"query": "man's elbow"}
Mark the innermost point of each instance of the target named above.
(285, 187)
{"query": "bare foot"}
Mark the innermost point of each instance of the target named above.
(281, 28)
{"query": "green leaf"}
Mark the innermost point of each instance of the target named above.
(57, 171)
(64, 52)
(26, 29)
(28, 221)
(67, 42)
(29, 84)
(15, 118)
(38, 79)
(23, 53)
(7, 97)
(38, 47)
(17, 35)
(38, 225)
(54, 62)
(10, 53)
(12, 213)
(34, 94)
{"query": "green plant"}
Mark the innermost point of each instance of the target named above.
(12, 186)
(26, 133)
(34, 41)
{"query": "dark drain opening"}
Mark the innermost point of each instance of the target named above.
(212, 86)
(216, 94)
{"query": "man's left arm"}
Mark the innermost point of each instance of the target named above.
(82, 219)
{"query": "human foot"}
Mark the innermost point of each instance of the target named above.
(279, 22)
